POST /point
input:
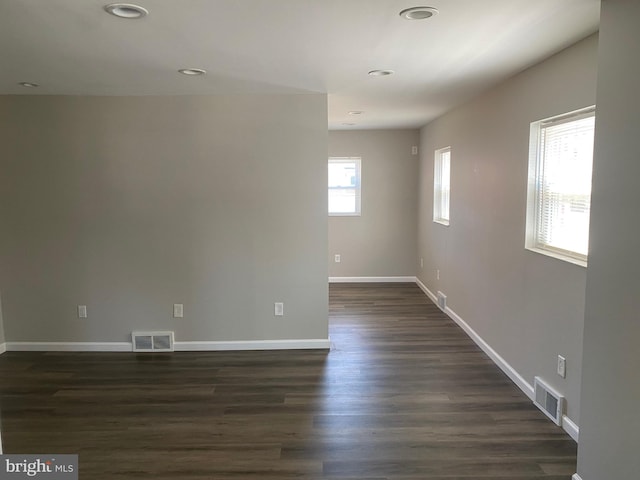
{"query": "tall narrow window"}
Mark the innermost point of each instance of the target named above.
(344, 186)
(442, 185)
(559, 195)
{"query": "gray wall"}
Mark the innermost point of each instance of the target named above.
(609, 433)
(527, 306)
(1, 323)
(131, 204)
(383, 241)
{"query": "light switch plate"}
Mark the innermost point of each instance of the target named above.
(562, 366)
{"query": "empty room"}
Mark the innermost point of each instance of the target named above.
(319, 239)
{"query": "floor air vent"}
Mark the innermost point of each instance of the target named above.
(152, 341)
(442, 300)
(550, 402)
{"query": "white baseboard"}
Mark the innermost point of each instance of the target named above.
(571, 428)
(511, 372)
(372, 279)
(428, 292)
(576, 477)
(69, 347)
(567, 424)
(304, 344)
(3, 348)
(319, 344)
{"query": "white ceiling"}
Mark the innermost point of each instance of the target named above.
(72, 47)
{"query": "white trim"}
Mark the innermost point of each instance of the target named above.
(69, 346)
(372, 279)
(576, 477)
(557, 255)
(312, 343)
(303, 344)
(568, 425)
(444, 223)
(345, 214)
(428, 292)
(3, 348)
(511, 372)
(571, 428)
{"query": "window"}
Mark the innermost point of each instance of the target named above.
(344, 186)
(442, 185)
(559, 194)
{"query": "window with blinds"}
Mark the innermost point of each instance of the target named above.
(344, 186)
(560, 164)
(442, 185)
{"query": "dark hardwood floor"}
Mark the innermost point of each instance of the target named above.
(403, 394)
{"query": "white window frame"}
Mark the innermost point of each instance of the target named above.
(442, 186)
(358, 186)
(533, 240)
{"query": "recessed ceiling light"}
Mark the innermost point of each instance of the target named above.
(192, 71)
(348, 124)
(418, 13)
(356, 112)
(126, 10)
(28, 84)
(381, 73)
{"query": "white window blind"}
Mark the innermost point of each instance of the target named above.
(562, 184)
(344, 186)
(442, 185)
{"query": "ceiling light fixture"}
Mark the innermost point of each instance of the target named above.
(192, 71)
(381, 73)
(28, 84)
(356, 112)
(126, 10)
(418, 13)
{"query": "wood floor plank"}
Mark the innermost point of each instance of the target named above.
(403, 394)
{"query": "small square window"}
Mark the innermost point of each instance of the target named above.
(344, 186)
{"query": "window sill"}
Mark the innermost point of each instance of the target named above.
(442, 222)
(558, 256)
(345, 214)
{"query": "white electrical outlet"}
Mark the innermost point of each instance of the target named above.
(278, 309)
(337, 258)
(178, 310)
(414, 150)
(562, 366)
(82, 311)
(437, 274)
